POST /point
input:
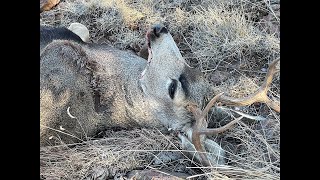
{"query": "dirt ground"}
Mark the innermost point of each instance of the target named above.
(230, 41)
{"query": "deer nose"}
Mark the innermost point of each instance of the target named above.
(159, 29)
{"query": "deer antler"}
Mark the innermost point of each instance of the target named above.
(200, 127)
(260, 95)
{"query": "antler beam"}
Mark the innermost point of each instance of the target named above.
(200, 126)
(260, 95)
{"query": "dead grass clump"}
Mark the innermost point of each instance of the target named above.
(227, 39)
(244, 86)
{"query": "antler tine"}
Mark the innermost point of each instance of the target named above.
(211, 103)
(212, 131)
(200, 127)
(200, 121)
(260, 95)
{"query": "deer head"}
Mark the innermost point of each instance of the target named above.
(168, 80)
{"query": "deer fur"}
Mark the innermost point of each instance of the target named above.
(86, 88)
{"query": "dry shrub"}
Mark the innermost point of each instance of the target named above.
(231, 42)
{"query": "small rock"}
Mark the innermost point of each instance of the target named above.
(167, 156)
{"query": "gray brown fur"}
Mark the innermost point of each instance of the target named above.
(105, 87)
(48, 34)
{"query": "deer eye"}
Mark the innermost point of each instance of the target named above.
(172, 88)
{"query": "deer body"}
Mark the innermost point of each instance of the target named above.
(85, 88)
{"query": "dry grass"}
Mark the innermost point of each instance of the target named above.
(117, 153)
(232, 42)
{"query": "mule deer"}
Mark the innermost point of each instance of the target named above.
(85, 88)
